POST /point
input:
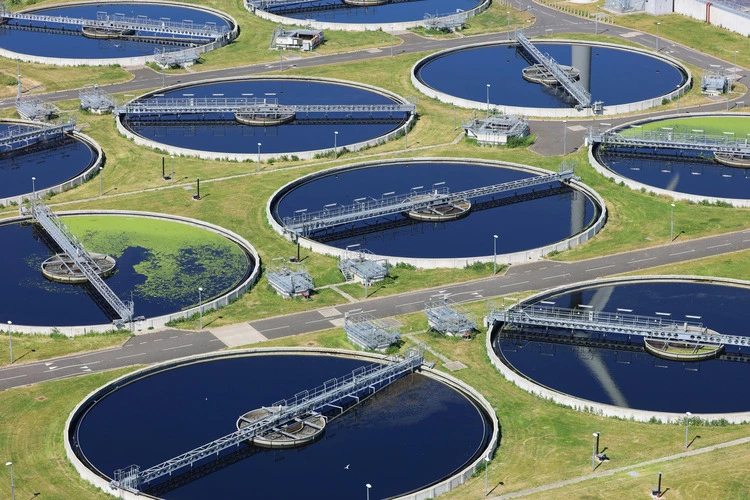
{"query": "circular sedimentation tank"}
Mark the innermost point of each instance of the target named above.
(107, 37)
(692, 174)
(618, 374)
(366, 15)
(497, 76)
(418, 415)
(530, 223)
(161, 260)
(264, 126)
(56, 164)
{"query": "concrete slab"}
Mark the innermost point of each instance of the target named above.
(238, 334)
(577, 128)
(631, 34)
(329, 312)
(338, 322)
(454, 365)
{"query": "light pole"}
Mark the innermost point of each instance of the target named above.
(12, 486)
(200, 306)
(10, 339)
(391, 40)
(657, 36)
(33, 188)
(259, 144)
(671, 223)
(678, 97)
(494, 255)
(335, 140)
(368, 486)
(171, 161)
(735, 65)
(687, 425)
(596, 451)
(565, 137)
(101, 180)
(508, 24)
(486, 475)
(488, 100)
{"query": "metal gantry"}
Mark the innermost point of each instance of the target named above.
(650, 327)
(18, 136)
(446, 22)
(180, 58)
(361, 381)
(416, 200)
(75, 251)
(449, 318)
(121, 22)
(368, 332)
(96, 99)
(574, 88)
(496, 129)
(669, 139)
(364, 266)
(290, 279)
(250, 105)
(31, 107)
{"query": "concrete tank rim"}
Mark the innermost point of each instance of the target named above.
(608, 410)
(122, 61)
(238, 240)
(436, 262)
(676, 195)
(101, 480)
(241, 157)
(553, 113)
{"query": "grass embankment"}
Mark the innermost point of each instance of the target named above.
(30, 348)
(710, 125)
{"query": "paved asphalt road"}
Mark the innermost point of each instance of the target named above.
(538, 275)
(170, 344)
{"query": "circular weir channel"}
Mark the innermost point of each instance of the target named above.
(159, 263)
(680, 162)
(504, 77)
(126, 33)
(394, 429)
(368, 15)
(253, 119)
(530, 221)
(56, 162)
(696, 340)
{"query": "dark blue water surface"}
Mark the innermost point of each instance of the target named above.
(640, 380)
(617, 76)
(231, 137)
(389, 13)
(76, 46)
(51, 162)
(689, 171)
(36, 301)
(410, 435)
(520, 226)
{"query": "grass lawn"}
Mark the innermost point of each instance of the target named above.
(711, 125)
(30, 348)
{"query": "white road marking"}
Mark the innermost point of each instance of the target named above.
(558, 276)
(272, 329)
(513, 284)
(10, 378)
(641, 260)
(176, 347)
(132, 355)
(598, 268)
(718, 246)
(680, 253)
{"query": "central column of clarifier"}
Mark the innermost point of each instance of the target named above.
(581, 60)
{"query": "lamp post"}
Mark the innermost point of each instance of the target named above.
(171, 161)
(735, 65)
(391, 40)
(101, 180)
(368, 486)
(259, 144)
(488, 100)
(596, 451)
(678, 97)
(565, 137)
(494, 255)
(33, 188)
(657, 36)
(200, 306)
(486, 475)
(10, 339)
(687, 425)
(671, 223)
(508, 24)
(335, 147)
(12, 486)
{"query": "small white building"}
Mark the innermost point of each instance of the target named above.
(299, 39)
(496, 129)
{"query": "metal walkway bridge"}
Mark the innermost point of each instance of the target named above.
(650, 327)
(75, 251)
(575, 89)
(668, 139)
(119, 22)
(364, 380)
(247, 105)
(18, 136)
(370, 208)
